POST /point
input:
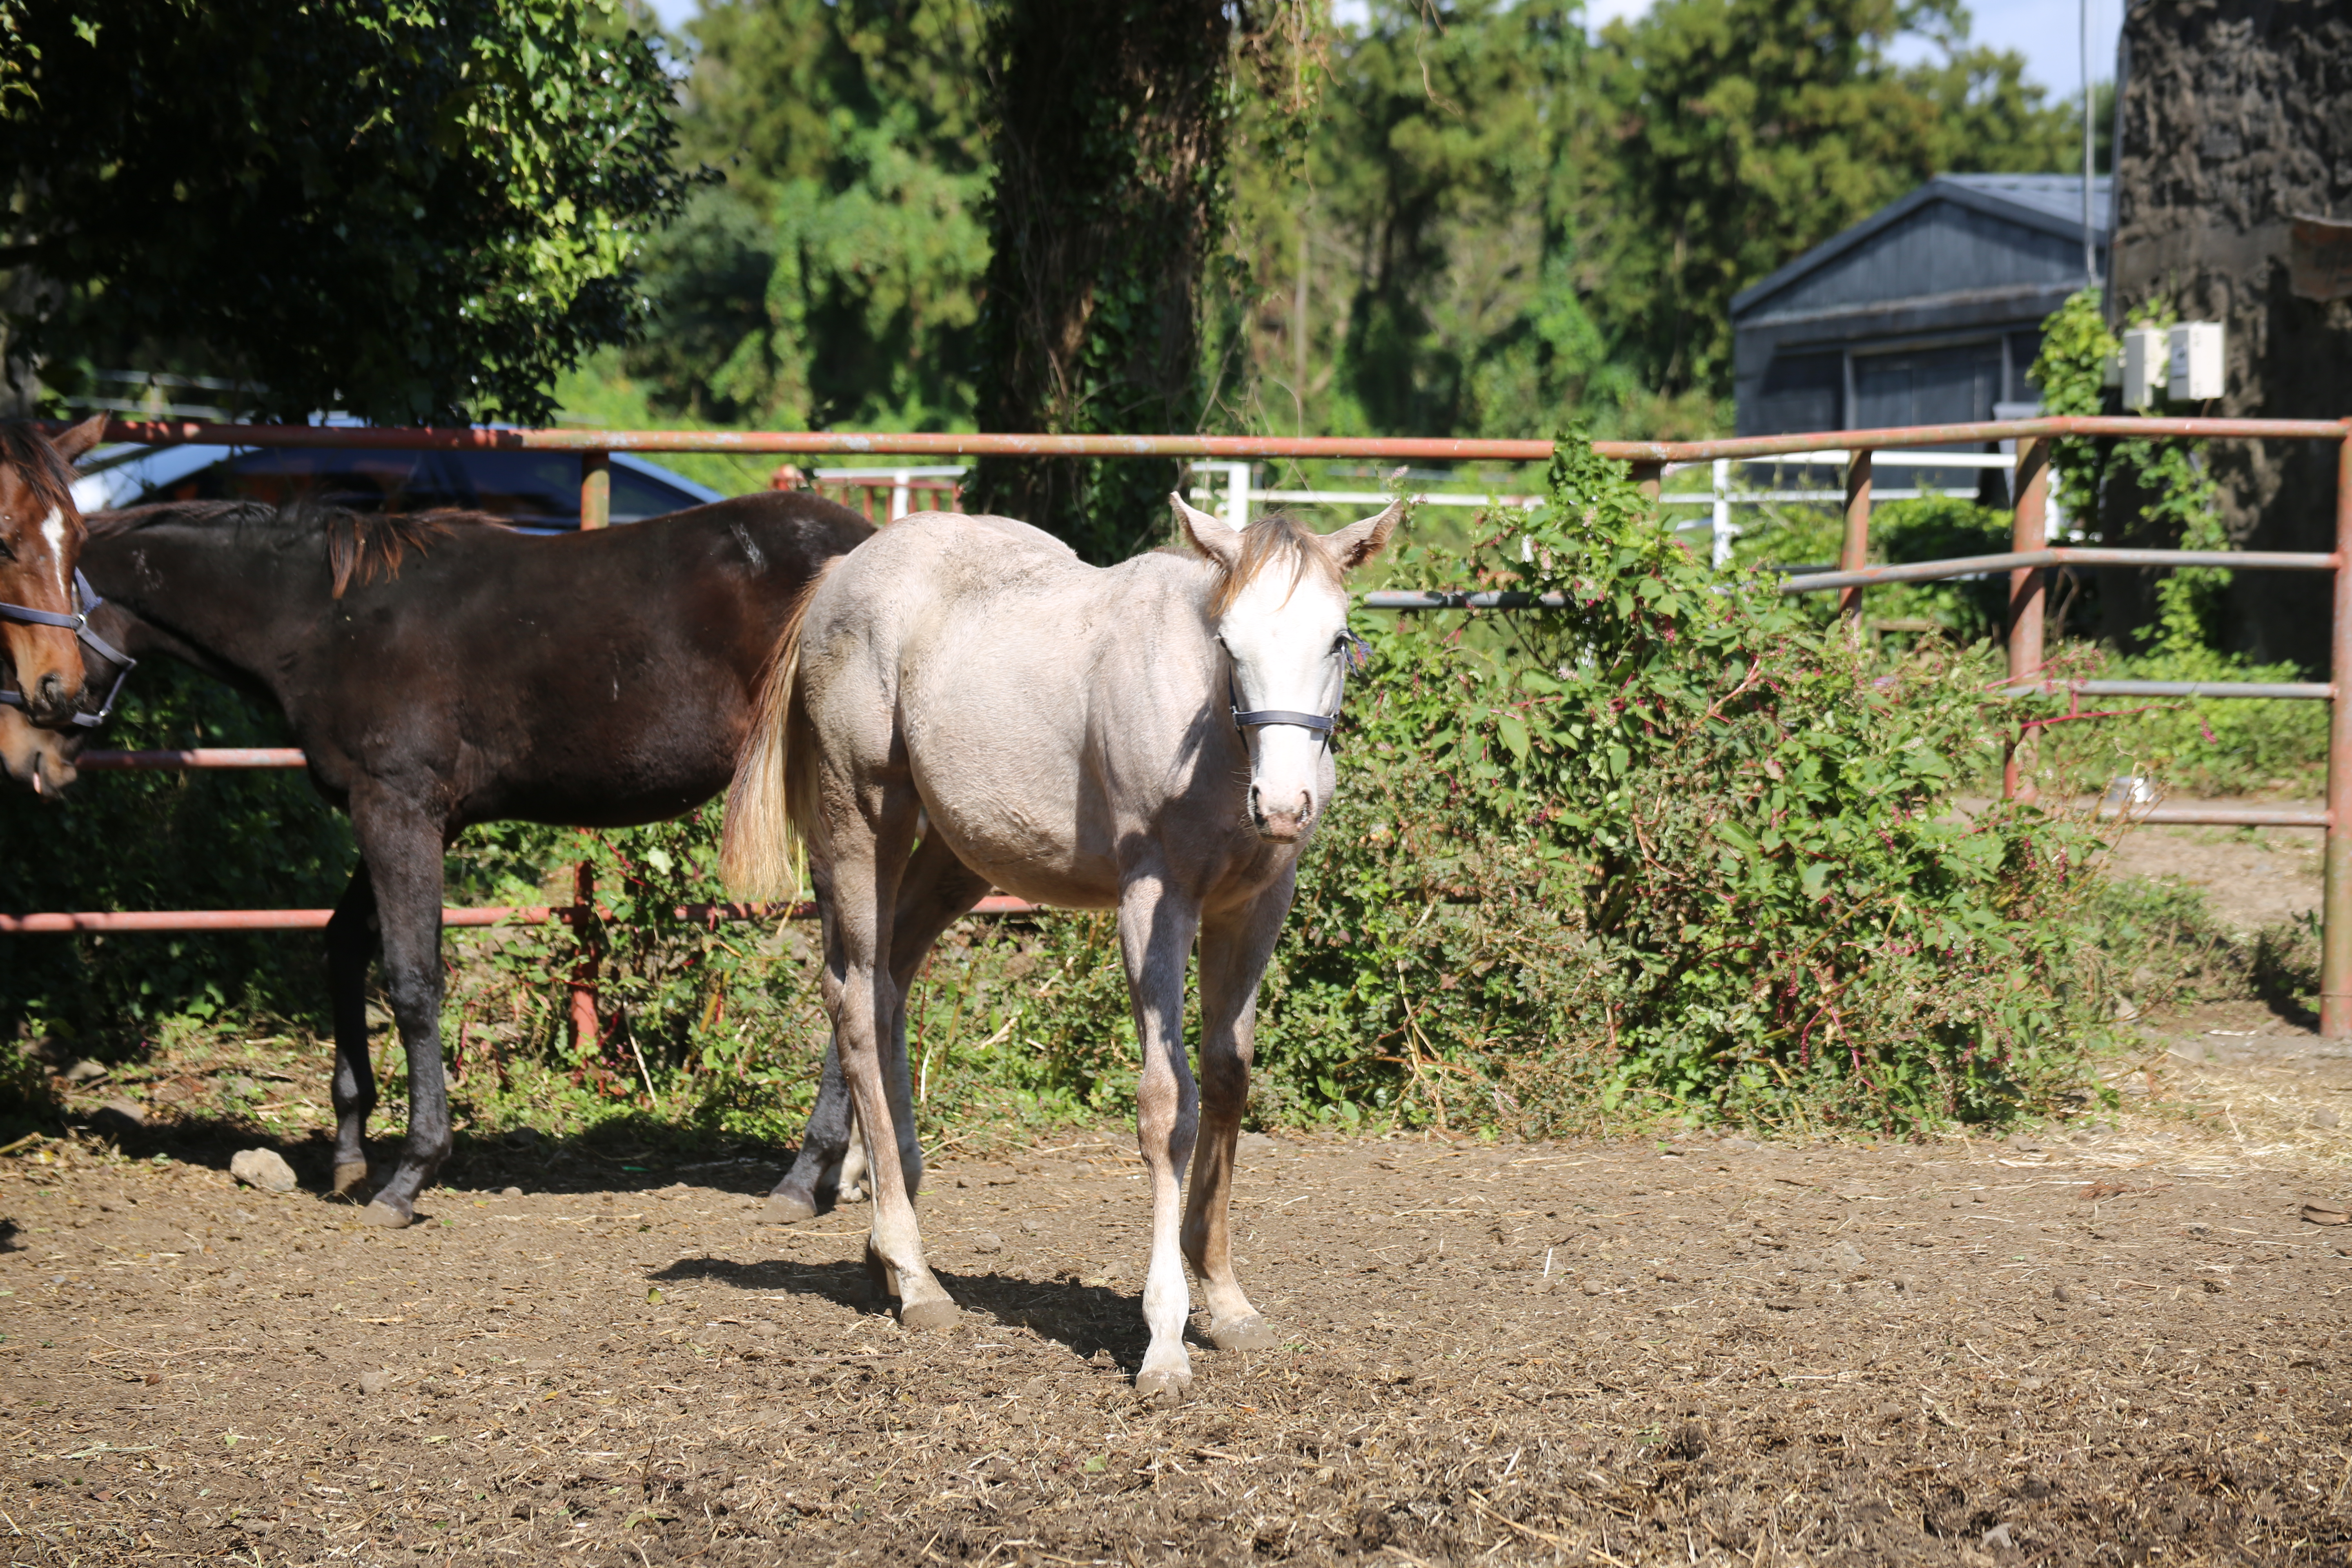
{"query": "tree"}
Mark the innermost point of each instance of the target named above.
(1459, 164)
(1111, 119)
(411, 209)
(1749, 130)
(835, 278)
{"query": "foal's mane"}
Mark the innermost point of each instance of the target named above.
(26, 448)
(362, 546)
(1275, 541)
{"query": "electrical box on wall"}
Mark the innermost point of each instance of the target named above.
(2194, 374)
(2145, 350)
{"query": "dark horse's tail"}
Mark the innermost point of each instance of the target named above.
(759, 853)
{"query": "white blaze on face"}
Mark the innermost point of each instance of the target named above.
(1284, 636)
(53, 530)
(1286, 641)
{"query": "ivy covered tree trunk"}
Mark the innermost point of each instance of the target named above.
(1110, 126)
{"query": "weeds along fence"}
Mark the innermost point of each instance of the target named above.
(2028, 561)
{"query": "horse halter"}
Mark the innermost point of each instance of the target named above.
(78, 624)
(1358, 653)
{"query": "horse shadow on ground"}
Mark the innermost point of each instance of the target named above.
(1085, 1318)
(622, 1155)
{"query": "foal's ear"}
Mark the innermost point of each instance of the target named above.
(1211, 535)
(1359, 542)
(75, 439)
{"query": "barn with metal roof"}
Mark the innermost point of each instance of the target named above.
(1928, 312)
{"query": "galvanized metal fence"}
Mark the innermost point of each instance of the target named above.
(2028, 561)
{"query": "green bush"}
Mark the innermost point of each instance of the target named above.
(1678, 850)
(167, 840)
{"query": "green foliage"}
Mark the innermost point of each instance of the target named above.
(1469, 318)
(166, 841)
(1753, 820)
(2150, 493)
(1498, 218)
(1750, 130)
(418, 211)
(836, 279)
(1109, 127)
(2160, 944)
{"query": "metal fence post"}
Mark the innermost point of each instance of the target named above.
(581, 986)
(2335, 908)
(1854, 554)
(595, 489)
(2030, 533)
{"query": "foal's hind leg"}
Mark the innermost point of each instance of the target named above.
(351, 942)
(1235, 949)
(937, 890)
(870, 826)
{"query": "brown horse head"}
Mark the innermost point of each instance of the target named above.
(40, 542)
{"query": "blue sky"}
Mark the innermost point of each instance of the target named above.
(2046, 32)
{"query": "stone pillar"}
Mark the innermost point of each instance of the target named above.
(2235, 120)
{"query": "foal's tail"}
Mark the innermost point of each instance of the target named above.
(760, 852)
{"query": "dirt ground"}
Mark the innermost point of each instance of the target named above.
(2120, 1342)
(2254, 877)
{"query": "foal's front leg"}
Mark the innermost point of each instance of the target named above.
(404, 862)
(1155, 926)
(1234, 951)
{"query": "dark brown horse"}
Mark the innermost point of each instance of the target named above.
(440, 670)
(40, 544)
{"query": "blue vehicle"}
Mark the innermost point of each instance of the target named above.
(538, 492)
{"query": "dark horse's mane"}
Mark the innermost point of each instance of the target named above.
(364, 546)
(26, 448)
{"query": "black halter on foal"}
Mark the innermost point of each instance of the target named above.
(78, 624)
(1357, 653)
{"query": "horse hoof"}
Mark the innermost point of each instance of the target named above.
(786, 1208)
(1161, 1388)
(390, 1217)
(1250, 1333)
(925, 1316)
(348, 1179)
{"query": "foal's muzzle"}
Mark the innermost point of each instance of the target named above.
(1281, 823)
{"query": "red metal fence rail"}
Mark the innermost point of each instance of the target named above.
(2028, 561)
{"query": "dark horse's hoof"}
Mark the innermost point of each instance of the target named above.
(787, 1208)
(390, 1215)
(350, 1180)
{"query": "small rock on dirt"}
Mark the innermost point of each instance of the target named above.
(375, 1382)
(263, 1168)
(987, 1241)
(510, 1192)
(2323, 1117)
(120, 1112)
(1996, 1539)
(85, 1071)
